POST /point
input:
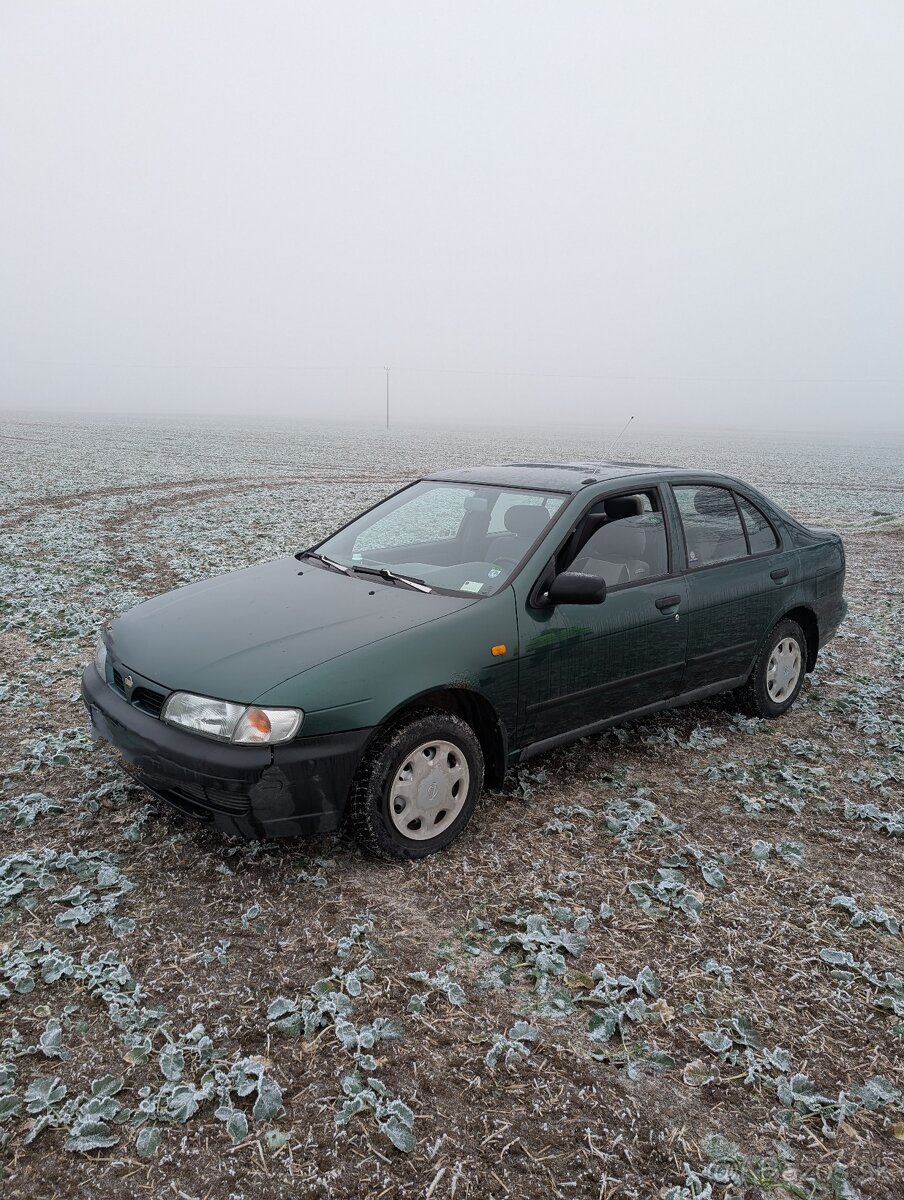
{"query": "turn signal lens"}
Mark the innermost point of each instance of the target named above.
(268, 725)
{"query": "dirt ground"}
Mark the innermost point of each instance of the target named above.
(663, 962)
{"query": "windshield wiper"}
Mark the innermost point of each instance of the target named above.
(323, 558)
(385, 573)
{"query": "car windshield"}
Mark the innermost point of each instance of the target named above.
(466, 538)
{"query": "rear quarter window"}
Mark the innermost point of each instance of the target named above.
(761, 534)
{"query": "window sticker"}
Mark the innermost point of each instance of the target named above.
(471, 585)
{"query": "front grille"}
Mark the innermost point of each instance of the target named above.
(212, 797)
(148, 701)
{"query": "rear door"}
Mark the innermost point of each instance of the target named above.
(738, 575)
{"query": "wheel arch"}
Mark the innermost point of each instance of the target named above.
(477, 711)
(806, 618)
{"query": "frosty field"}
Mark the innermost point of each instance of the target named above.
(663, 962)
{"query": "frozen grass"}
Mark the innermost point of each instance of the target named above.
(664, 962)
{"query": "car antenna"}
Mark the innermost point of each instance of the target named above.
(619, 437)
(607, 459)
(596, 466)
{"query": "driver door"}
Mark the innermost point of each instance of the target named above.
(582, 664)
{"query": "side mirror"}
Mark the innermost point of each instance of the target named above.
(573, 587)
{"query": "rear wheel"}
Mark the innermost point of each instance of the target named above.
(778, 674)
(417, 788)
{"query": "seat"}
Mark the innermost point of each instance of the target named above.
(615, 509)
(626, 550)
(523, 523)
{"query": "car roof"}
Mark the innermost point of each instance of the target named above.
(555, 477)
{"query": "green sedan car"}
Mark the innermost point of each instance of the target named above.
(464, 624)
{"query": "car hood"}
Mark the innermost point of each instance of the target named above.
(238, 635)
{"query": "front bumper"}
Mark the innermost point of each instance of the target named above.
(251, 791)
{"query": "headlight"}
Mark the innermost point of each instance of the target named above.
(229, 722)
(100, 658)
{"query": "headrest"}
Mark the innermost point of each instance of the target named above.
(714, 502)
(525, 520)
(620, 507)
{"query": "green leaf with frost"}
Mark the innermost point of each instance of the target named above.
(41, 1094)
(237, 1125)
(399, 1134)
(713, 874)
(281, 1007)
(147, 1141)
(791, 852)
(172, 1062)
(269, 1099)
(91, 1135)
(837, 958)
(10, 1106)
(716, 1041)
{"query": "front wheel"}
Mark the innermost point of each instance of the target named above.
(778, 673)
(418, 786)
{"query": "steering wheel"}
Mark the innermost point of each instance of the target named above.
(507, 562)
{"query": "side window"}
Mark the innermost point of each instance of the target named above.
(625, 542)
(712, 527)
(759, 531)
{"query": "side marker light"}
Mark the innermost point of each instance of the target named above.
(497, 651)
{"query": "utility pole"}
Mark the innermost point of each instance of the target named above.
(386, 369)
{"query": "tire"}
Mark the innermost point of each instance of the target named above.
(423, 773)
(778, 674)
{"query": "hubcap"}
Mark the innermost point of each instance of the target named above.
(429, 790)
(783, 671)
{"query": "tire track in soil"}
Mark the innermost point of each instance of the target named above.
(37, 505)
(164, 574)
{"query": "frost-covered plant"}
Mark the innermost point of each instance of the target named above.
(135, 831)
(393, 1116)
(626, 816)
(887, 983)
(876, 916)
(540, 949)
(791, 852)
(622, 1000)
(443, 982)
(24, 810)
(328, 1004)
(724, 972)
(711, 863)
(511, 1047)
(359, 932)
(667, 889)
(26, 873)
(693, 1187)
(891, 823)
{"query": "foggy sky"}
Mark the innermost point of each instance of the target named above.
(562, 211)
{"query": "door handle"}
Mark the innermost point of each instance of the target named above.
(779, 573)
(667, 602)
